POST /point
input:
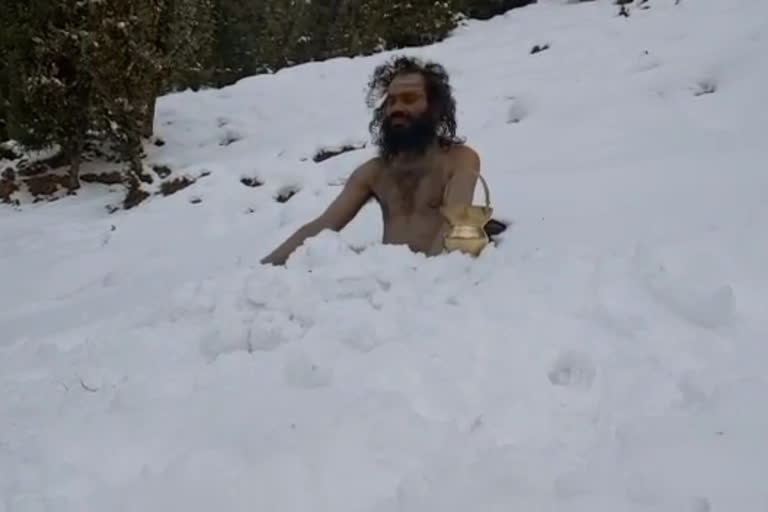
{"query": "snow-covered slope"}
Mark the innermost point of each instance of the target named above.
(607, 355)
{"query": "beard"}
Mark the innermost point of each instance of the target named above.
(413, 136)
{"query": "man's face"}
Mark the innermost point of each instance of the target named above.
(408, 124)
(406, 99)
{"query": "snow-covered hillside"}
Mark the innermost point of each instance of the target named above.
(607, 356)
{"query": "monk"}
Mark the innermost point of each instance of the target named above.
(420, 166)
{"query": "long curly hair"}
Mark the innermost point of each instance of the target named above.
(442, 104)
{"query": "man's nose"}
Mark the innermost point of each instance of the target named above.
(397, 105)
(398, 109)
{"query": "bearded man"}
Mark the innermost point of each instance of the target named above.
(421, 165)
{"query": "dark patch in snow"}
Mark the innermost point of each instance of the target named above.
(517, 111)
(106, 178)
(574, 370)
(136, 195)
(229, 137)
(325, 153)
(46, 185)
(87, 387)
(172, 186)
(285, 194)
(251, 181)
(162, 171)
(705, 87)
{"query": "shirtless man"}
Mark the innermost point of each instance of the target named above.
(420, 166)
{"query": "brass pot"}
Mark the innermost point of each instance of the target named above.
(466, 223)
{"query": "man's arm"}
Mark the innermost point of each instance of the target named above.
(356, 192)
(461, 186)
(460, 189)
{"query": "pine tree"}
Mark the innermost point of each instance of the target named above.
(236, 45)
(92, 69)
(484, 9)
(417, 22)
(49, 88)
(144, 47)
(125, 67)
(365, 26)
(253, 37)
(184, 40)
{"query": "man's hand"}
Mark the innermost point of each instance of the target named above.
(356, 192)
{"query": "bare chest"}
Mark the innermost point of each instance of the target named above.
(410, 192)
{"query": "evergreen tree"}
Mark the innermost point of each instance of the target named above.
(125, 67)
(184, 40)
(253, 37)
(417, 22)
(180, 39)
(49, 87)
(484, 9)
(236, 40)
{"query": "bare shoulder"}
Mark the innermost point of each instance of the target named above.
(465, 158)
(366, 172)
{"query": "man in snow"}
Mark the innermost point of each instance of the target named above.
(421, 164)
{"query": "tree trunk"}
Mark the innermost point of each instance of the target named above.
(133, 150)
(75, 158)
(148, 126)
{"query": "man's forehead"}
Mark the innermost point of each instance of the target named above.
(406, 81)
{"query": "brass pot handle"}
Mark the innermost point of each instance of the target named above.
(485, 189)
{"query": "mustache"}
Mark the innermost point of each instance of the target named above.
(400, 115)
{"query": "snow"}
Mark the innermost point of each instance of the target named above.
(609, 354)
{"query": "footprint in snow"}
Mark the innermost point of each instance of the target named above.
(285, 193)
(517, 110)
(229, 137)
(573, 369)
(704, 86)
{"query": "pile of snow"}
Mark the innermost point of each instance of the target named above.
(607, 355)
